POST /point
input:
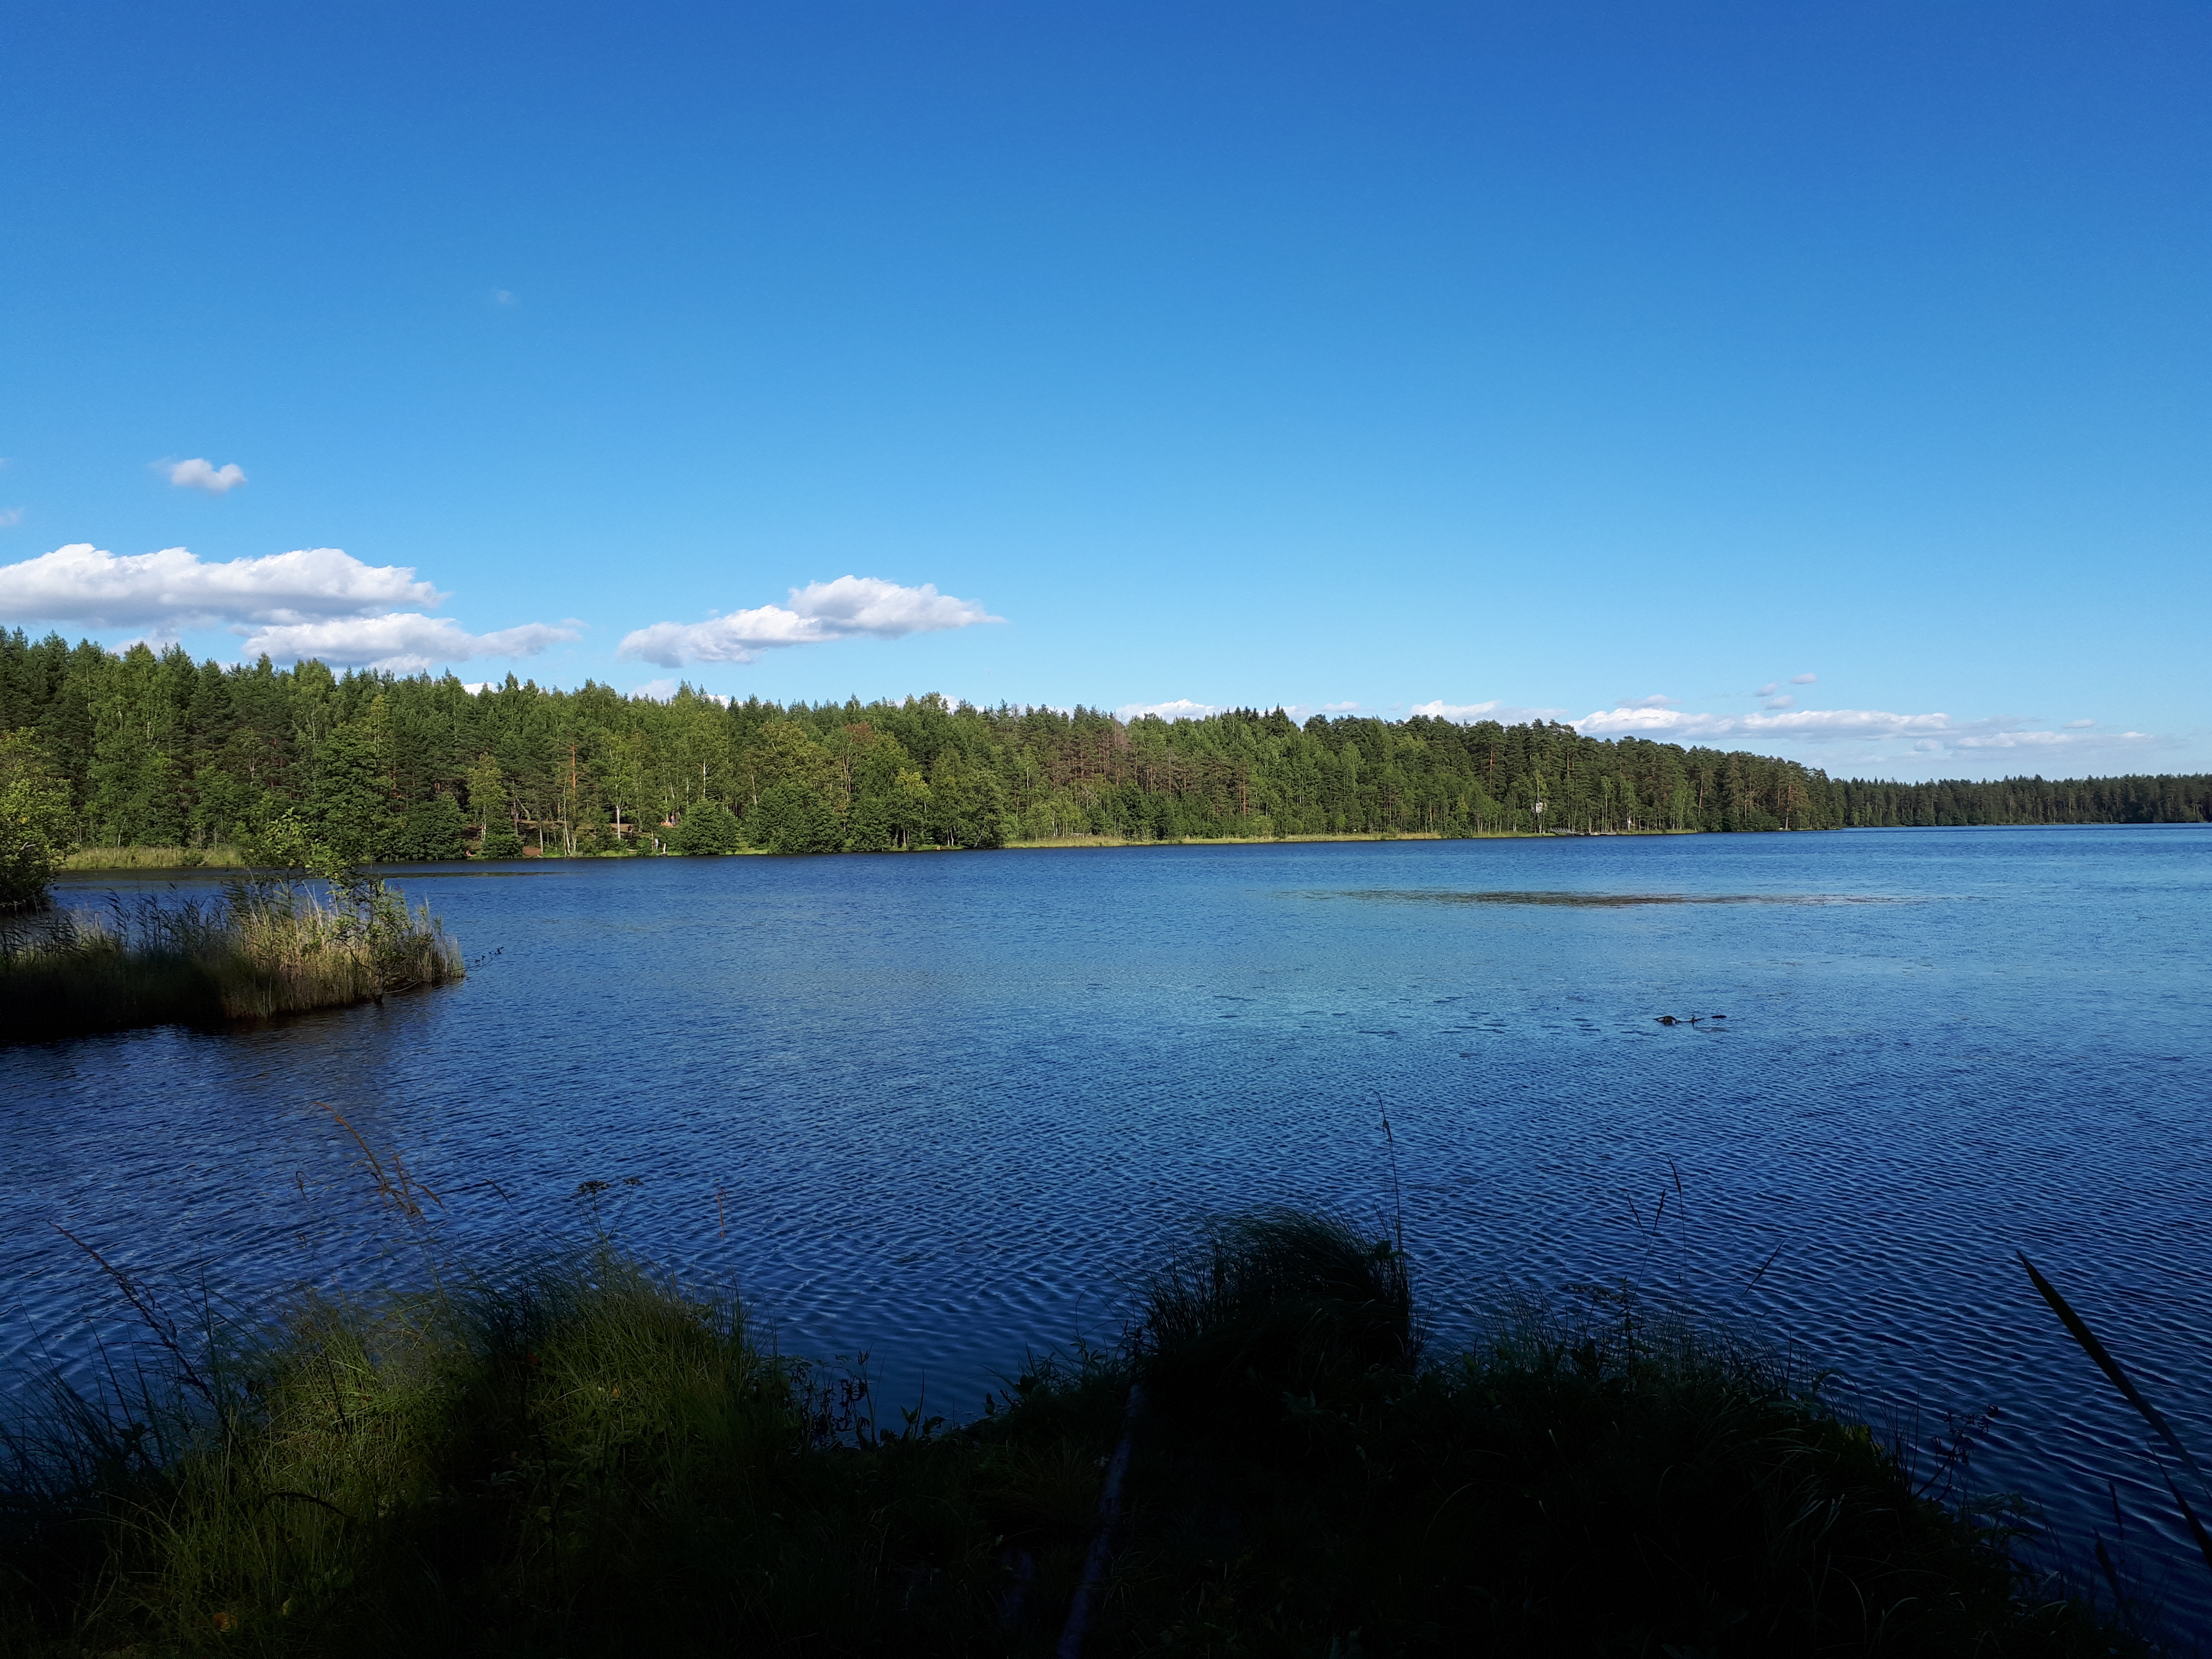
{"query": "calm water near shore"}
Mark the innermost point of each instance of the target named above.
(935, 1101)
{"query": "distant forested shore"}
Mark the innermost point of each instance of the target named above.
(137, 748)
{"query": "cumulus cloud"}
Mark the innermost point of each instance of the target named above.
(199, 474)
(312, 602)
(1182, 708)
(1928, 734)
(1803, 679)
(848, 607)
(174, 587)
(405, 642)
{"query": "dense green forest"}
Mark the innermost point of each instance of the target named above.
(2169, 799)
(157, 750)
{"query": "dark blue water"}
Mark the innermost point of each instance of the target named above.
(931, 1106)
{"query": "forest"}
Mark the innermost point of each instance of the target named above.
(155, 750)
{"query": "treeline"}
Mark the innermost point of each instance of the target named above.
(156, 749)
(1958, 801)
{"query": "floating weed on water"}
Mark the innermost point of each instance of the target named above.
(1597, 901)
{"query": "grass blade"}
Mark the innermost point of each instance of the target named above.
(2111, 1367)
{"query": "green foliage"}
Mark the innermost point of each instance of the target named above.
(34, 822)
(792, 818)
(500, 841)
(707, 828)
(430, 831)
(161, 750)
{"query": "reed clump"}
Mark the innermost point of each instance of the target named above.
(585, 1459)
(599, 1459)
(214, 857)
(263, 948)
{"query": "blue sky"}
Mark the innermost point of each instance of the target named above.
(1627, 363)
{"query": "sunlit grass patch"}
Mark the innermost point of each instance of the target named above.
(262, 948)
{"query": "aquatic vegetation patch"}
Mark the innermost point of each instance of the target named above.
(264, 948)
(1596, 901)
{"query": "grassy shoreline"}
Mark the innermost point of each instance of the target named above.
(598, 1459)
(98, 860)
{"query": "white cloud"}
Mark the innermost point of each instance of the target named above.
(12, 517)
(405, 642)
(199, 474)
(845, 608)
(1465, 714)
(1460, 712)
(500, 296)
(1182, 708)
(174, 587)
(1804, 679)
(1927, 733)
(477, 688)
(1779, 702)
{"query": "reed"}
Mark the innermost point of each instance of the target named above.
(264, 948)
(152, 858)
(593, 1457)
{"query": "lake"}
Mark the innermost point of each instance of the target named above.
(931, 1107)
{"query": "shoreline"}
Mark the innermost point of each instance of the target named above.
(108, 860)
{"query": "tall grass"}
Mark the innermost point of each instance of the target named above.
(583, 1459)
(262, 948)
(152, 858)
(597, 1458)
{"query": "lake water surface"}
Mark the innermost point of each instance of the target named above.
(931, 1106)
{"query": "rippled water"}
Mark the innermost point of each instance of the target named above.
(929, 1106)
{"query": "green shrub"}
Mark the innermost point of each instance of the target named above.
(794, 818)
(431, 831)
(33, 822)
(705, 829)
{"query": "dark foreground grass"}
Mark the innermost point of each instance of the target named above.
(596, 1462)
(264, 948)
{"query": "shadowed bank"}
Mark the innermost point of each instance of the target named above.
(590, 1458)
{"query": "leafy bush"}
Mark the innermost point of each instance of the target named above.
(500, 841)
(33, 822)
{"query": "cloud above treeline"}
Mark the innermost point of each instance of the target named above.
(313, 602)
(1779, 722)
(848, 608)
(1182, 708)
(1927, 733)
